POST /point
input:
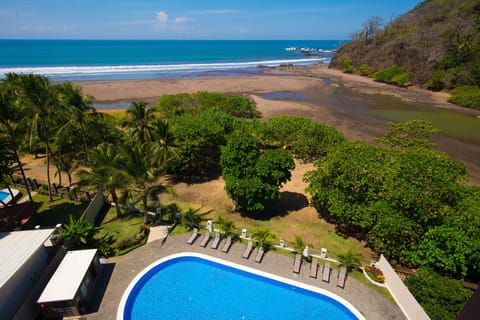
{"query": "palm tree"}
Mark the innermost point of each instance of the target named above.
(163, 140)
(107, 172)
(80, 109)
(349, 259)
(298, 245)
(66, 164)
(144, 168)
(191, 219)
(262, 236)
(227, 226)
(11, 115)
(42, 103)
(141, 121)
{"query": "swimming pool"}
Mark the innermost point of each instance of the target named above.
(6, 197)
(196, 286)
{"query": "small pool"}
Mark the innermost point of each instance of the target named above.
(6, 197)
(196, 286)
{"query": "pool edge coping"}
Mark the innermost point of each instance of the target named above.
(128, 290)
(9, 198)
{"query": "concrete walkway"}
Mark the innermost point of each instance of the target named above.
(119, 272)
(157, 233)
(25, 198)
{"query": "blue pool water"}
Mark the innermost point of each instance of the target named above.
(4, 195)
(194, 288)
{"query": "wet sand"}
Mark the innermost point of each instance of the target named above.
(355, 124)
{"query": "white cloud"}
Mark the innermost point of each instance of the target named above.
(181, 19)
(162, 16)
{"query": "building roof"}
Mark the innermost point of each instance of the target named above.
(17, 247)
(68, 277)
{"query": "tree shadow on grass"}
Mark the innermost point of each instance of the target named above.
(289, 201)
(194, 179)
(342, 229)
(59, 213)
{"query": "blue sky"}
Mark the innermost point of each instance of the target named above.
(191, 19)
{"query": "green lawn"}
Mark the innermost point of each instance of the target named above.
(315, 232)
(121, 228)
(58, 211)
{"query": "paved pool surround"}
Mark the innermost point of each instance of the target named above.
(119, 273)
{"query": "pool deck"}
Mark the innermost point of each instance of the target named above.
(119, 272)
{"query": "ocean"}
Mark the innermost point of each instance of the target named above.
(71, 60)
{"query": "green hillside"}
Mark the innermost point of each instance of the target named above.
(436, 45)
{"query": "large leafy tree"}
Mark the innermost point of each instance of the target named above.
(403, 202)
(12, 113)
(198, 141)
(307, 139)
(251, 177)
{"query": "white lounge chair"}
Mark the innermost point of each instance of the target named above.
(297, 263)
(227, 245)
(326, 272)
(193, 236)
(313, 268)
(342, 274)
(205, 238)
(248, 249)
(216, 241)
(259, 255)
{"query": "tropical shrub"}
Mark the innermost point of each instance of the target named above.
(347, 66)
(365, 70)
(394, 75)
(440, 297)
(466, 96)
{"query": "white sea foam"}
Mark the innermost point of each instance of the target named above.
(125, 69)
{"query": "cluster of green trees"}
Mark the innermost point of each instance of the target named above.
(441, 297)
(180, 135)
(406, 200)
(409, 202)
(37, 116)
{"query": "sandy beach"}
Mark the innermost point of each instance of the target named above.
(294, 79)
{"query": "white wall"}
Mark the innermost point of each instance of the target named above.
(405, 300)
